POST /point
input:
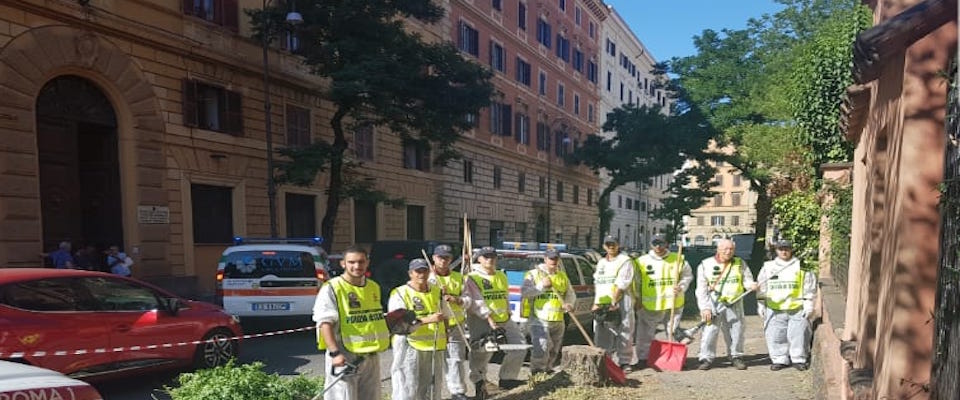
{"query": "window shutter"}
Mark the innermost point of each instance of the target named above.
(491, 55)
(517, 128)
(189, 102)
(230, 17)
(188, 7)
(474, 42)
(425, 158)
(506, 119)
(234, 114)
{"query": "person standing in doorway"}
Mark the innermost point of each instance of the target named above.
(720, 280)
(451, 286)
(417, 357)
(547, 295)
(352, 329)
(62, 258)
(613, 321)
(785, 301)
(119, 262)
(659, 290)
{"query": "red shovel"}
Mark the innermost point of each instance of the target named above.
(669, 355)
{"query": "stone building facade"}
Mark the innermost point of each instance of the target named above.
(731, 211)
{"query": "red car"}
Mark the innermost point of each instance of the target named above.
(89, 325)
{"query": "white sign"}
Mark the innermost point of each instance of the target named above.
(153, 215)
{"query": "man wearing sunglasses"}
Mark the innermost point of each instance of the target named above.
(658, 289)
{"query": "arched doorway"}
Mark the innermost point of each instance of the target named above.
(79, 164)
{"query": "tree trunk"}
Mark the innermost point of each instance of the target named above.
(335, 188)
(759, 251)
(583, 364)
(604, 212)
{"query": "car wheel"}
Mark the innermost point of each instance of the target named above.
(216, 349)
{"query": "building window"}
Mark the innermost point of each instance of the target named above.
(212, 213)
(220, 12)
(501, 118)
(468, 40)
(301, 215)
(523, 72)
(621, 92)
(471, 119)
(560, 95)
(578, 60)
(497, 57)
(468, 171)
(700, 221)
(543, 32)
(736, 180)
(718, 200)
(590, 117)
(559, 190)
(735, 220)
(629, 203)
(522, 16)
(592, 72)
(576, 104)
(735, 199)
(716, 220)
(497, 177)
(577, 15)
(363, 142)
(576, 194)
(298, 126)
(700, 241)
(497, 5)
(719, 180)
(364, 221)
(212, 108)
(543, 83)
(563, 5)
(543, 136)
(543, 187)
(563, 48)
(593, 29)
(589, 197)
(521, 182)
(609, 80)
(611, 48)
(415, 224)
(416, 155)
(522, 128)
(619, 201)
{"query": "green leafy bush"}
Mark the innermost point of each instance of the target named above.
(798, 214)
(243, 382)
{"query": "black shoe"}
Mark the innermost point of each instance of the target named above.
(507, 384)
(738, 363)
(640, 365)
(537, 371)
(705, 365)
(777, 367)
(627, 368)
(480, 390)
(459, 397)
(800, 366)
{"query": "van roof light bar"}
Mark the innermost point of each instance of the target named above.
(313, 241)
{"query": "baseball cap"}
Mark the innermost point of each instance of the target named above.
(551, 253)
(658, 240)
(488, 251)
(443, 251)
(418, 263)
(784, 244)
(610, 239)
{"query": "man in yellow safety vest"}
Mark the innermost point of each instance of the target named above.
(785, 300)
(720, 281)
(658, 289)
(416, 355)
(451, 287)
(547, 295)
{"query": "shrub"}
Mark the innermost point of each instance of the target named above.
(243, 382)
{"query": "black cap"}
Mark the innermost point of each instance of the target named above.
(658, 240)
(488, 251)
(784, 244)
(610, 239)
(551, 253)
(443, 251)
(418, 263)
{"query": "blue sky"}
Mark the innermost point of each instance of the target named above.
(667, 27)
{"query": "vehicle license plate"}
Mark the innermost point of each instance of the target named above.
(271, 306)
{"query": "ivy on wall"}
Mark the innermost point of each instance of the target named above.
(798, 215)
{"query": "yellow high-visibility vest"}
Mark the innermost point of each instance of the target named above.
(363, 328)
(785, 290)
(424, 304)
(548, 305)
(494, 293)
(453, 285)
(657, 279)
(730, 285)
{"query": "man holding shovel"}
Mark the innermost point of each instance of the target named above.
(489, 311)
(721, 279)
(785, 300)
(547, 295)
(613, 304)
(416, 355)
(659, 291)
(451, 286)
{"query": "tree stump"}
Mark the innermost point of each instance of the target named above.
(584, 365)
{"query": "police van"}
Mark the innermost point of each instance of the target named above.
(516, 258)
(271, 277)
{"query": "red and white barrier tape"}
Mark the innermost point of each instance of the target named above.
(21, 354)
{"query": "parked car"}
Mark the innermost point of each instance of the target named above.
(21, 381)
(516, 258)
(389, 260)
(89, 325)
(271, 277)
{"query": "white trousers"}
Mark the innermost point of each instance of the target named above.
(362, 385)
(512, 360)
(729, 322)
(647, 322)
(456, 361)
(546, 338)
(415, 374)
(617, 337)
(787, 334)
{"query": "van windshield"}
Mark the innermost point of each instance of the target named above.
(257, 264)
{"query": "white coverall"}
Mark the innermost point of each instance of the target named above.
(546, 336)
(414, 374)
(617, 337)
(729, 322)
(365, 383)
(647, 320)
(456, 354)
(787, 332)
(477, 312)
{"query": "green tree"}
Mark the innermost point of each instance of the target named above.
(690, 189)
(645, 143)
(379, 73)
(798, 214)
